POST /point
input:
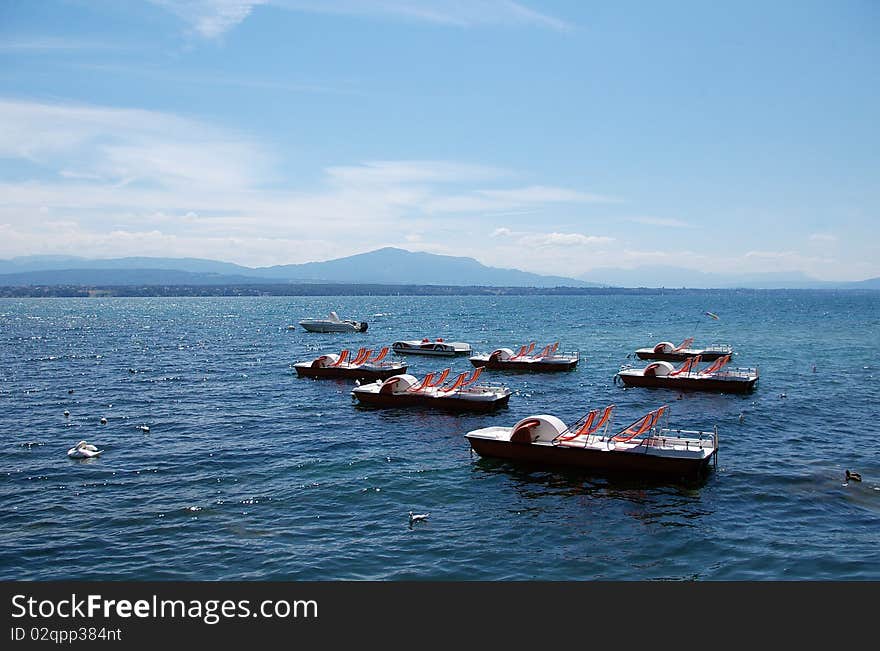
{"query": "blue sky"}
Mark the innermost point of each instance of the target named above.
(555, 137)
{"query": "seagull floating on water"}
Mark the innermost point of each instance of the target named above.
(144, 428)
(66, 413)
(103, 421)
(83, 450)
(417, 517)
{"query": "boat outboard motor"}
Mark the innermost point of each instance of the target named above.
(362, 326)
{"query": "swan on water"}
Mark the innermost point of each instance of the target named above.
(83, 450)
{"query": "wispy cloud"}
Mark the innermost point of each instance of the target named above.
(792, 259)
(169, 75)
(127, 146)
(49, 44)
(147, 180)
(569, 239)
(461, 13)
(111, 181)
(659, 221)
(405, 172)
(213, 18)
(823, 237)
(210, 18)
(545, 194)
(548, 240)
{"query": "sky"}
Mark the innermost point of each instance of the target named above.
(557, 137)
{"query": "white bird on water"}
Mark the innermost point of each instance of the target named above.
(417, 517)
(144, 428)
(83, 450)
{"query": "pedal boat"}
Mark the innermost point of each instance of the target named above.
(668, 352)
(687, 378)
(504, 359)
(364, 366)
(642, 448)
(464, 394)
(438, 347)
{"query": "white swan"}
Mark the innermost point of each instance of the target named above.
(83, 450)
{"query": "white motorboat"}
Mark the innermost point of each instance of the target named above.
(428, 347)
(333, 324)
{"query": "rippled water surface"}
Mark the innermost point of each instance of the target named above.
(250, 473)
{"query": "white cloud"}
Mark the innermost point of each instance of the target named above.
(147, 180)
(460, 13)
(569, 239)
(210, 18)
(127, 146)
(108, 182)
(771, 255)
(406, 172)
(823, 237)
(213, 18)
(659, 221)
(544, 194)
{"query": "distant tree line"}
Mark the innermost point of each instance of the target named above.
(316, 289)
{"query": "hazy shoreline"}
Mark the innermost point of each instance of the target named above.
(347, 289)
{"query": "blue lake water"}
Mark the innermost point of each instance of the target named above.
(251, 473)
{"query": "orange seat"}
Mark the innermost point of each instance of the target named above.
(689, 364)
(440, 380)
(362, 356)
(459, 382)
(590, 424)
(685, 344)
(424, 384)
(380, 356)
(640, 426)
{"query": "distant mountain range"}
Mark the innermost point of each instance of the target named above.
(383, 266)
(672, 277)
(388, 265)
